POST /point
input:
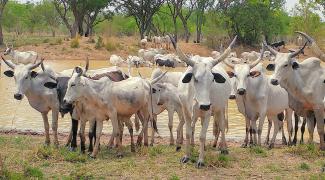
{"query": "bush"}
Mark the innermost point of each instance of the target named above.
(99, 44)
(46, 41)
(75, 43)
(110, 46)
(304, 166)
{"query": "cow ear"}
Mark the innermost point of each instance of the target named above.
(219, 78)
(254, 74)
(50, 85)
(33, 74)
(270, 67)
(230, 74)
(9, 73)
(187, 78)
(295, 65)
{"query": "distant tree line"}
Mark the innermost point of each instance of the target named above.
(196, 19)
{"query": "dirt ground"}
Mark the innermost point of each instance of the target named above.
(23, 156)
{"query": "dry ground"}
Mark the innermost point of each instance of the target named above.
(25, 157)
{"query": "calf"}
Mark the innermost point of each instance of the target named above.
(19, 57)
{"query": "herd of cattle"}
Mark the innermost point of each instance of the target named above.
(201, 91)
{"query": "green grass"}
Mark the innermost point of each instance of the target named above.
(33, 172)
(306, 151)
(75, 43)
(30, 40)
(258, 150)
(304, 166)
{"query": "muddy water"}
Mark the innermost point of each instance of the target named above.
(19, 115)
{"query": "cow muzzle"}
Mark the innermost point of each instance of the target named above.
(274, 82)
(241, 91)
(205, 107)
(18, 96)
(232, 96)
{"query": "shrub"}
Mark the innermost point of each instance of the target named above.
(33, 172)
(75, 43)
(110, 46)
(99, 44)
(46, 40)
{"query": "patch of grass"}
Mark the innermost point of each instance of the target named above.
(258, 150)
(56, 42)
(33, 172)
(72, 156)
(273, 167)
(75, 43)
(174, 177)
(109, 46)
(304, 166)
(46, 40)
(91, 40)
(220, 160)
(11, 175)
(99, 44)
(45, 152)
(306, 151)
(155, 151)
(81, 173)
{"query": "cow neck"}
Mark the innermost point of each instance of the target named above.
(97, 87)
(12, 53)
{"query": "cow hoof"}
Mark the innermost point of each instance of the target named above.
(301, 141)
(151, 144)
(199, 164)
(178, 148)
(294, 142)
(224, 151)
(132, 149)
(244, 145)
(271, 146)
(214, 145)
(72, 149)
(92, 156)
(185, 159)
(284, 142)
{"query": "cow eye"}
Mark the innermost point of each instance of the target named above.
(72, 85)
(26, 77)
(286, 65)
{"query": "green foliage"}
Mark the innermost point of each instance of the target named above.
(258, 150)
(75, 43)
(304, 166)
(99, 44)
(174, 177)
(33, 172)
(155, 150)
(306, 151)
(110, 46)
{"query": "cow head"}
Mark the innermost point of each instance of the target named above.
(284, 64)
(8, 49)
(23, 75)
(202, 75)
(159, 95)
(60, 84)
(76, 84)
(241, 72)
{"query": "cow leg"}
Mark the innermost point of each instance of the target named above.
(145, 133)
(170, 125)
(188, 121)
(203, 133)
(277, 125)
(153, 131)
(129, 124)
(91, 134)
(260, 128)
(289, 113)
(268, 131)
(222, 122)
(179, 140)
(55, 117)
(294, 142)
(195, 118)
(82, 136)
(74, 130)
(216, 132)
(99, 128)
(116, 133)
(311, 126)
(303, 127)
(140, 136)
(121, 127)
(248, 130)
(319, 114)
(47, 128)
(254, 132)
(69, 138)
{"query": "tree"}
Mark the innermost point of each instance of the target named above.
(200, 7)
(185, 11)
(49, 15)
(142, 11)
(2, 6)
(173, 6)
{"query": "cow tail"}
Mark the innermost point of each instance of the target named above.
(153, 120)
(137, 122)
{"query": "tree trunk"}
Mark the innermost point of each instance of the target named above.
(53, 32)
(175, 30)
(74, 29)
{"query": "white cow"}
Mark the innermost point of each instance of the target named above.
(148, 55)
(143, 43)
(157, 41)
(20, 57)
(303, 82)
(116, 100)
(30, 83)
(170, 77)
(167, 41)
(116, 60)
(204, 90)
(215, 54)
(256, 98)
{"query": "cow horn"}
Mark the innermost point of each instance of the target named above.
(10, 64)
(180, 53)
(33, 66)
(158, 78)
(314, 46)
(273, 51)
(226, 53)
(296, 53)
(253, 64)
(87, 65)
